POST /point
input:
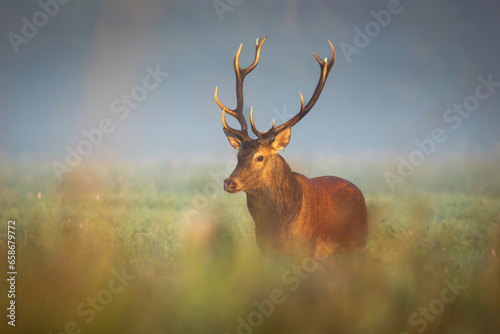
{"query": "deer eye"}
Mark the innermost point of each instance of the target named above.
(260, 158)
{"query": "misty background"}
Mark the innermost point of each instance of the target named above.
(392, 91)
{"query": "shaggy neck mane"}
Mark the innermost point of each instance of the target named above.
(278, 201)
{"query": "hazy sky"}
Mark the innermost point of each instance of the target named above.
(73, 66)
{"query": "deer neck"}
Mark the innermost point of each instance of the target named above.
(277, 203)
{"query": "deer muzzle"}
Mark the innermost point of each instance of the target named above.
(231, 185)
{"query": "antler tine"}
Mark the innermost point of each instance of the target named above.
(326, 67)
(240, 76)
(258, 47)
(261, 135)
(252, 124)
(243, 134)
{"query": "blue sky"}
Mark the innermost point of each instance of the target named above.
(406, 72)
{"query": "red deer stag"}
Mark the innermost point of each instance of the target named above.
(294, 215)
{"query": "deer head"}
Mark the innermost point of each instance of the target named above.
(258, 159)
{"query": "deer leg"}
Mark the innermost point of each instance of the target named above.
(361, 260)
(325, 254)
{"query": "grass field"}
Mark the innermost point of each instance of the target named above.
(162, 249)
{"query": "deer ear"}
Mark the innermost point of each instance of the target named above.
(281, 140)
(233, 139)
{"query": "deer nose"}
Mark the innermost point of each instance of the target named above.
(230, 185)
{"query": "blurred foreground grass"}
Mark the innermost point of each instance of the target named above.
(162, 249)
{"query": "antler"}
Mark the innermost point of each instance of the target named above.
(326, 67)
(238, 111)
